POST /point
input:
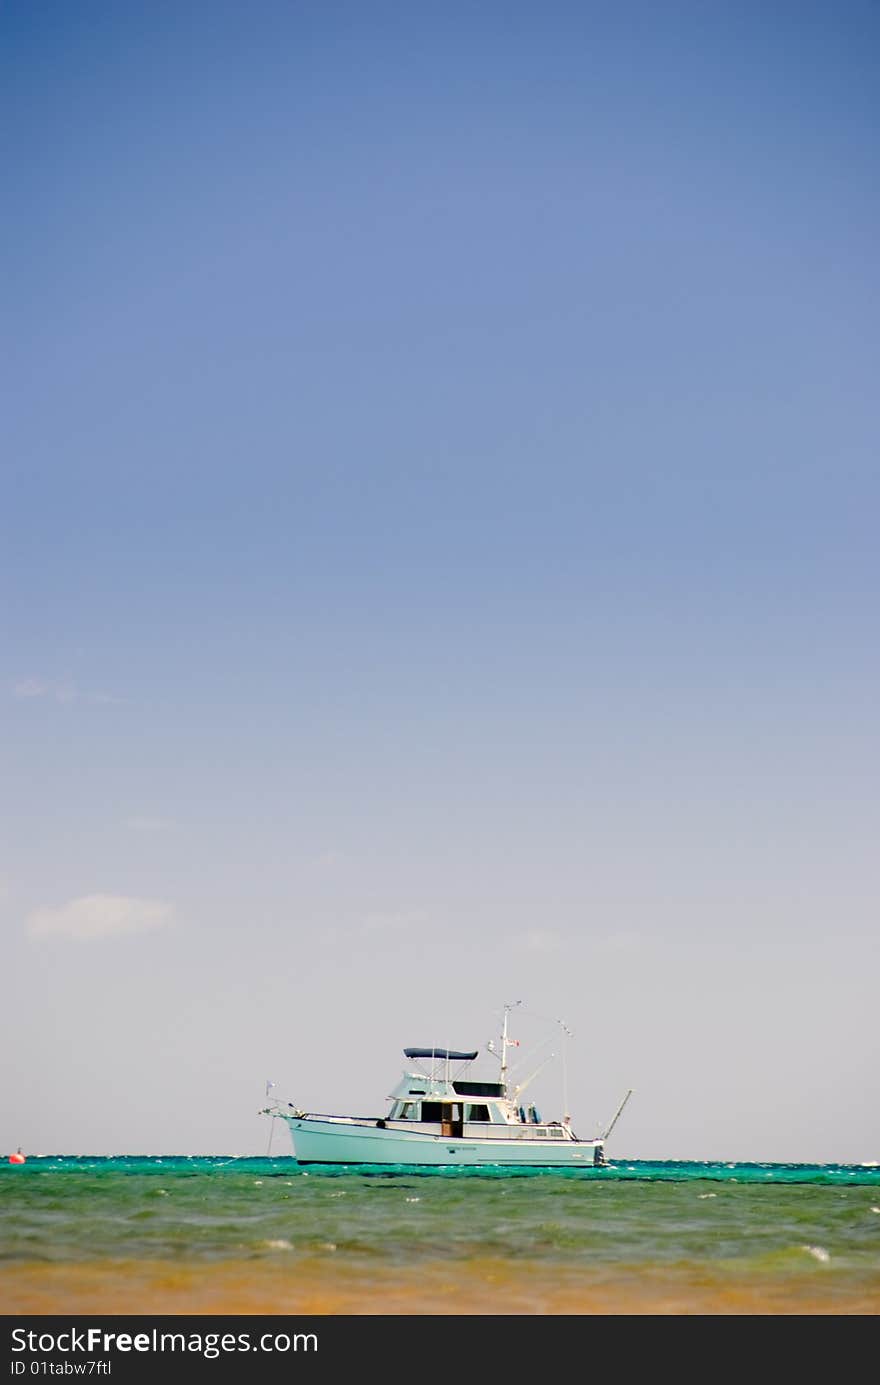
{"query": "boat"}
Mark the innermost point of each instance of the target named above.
(441, 1115)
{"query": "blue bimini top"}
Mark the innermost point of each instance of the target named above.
(442, 1053)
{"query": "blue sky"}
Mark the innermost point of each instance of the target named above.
(438, 546)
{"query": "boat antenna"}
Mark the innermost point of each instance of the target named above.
(566, 1034)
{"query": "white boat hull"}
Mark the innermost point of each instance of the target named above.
(340, 1140)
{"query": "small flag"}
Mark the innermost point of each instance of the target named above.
(269, 1086)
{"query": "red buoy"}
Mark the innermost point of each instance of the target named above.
(17, 1158)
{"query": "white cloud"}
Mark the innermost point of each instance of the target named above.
(61, 690)
(95, 916)
(45, 687)
(30, 687)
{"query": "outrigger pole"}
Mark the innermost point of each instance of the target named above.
(617, 1114)
(269, 1086)
(520, 1088)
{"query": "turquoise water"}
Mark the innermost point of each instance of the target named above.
(810, 1233)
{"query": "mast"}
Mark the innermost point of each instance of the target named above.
(504, 1050)
(506, 1043)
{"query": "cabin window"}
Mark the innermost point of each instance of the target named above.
(409, 1111)
(539, 1134)
(477, 1113)
(555, 1132)
(432, 1111)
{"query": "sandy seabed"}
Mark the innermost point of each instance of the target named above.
(482, 1286)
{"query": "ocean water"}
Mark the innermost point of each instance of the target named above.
(231, 1235)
